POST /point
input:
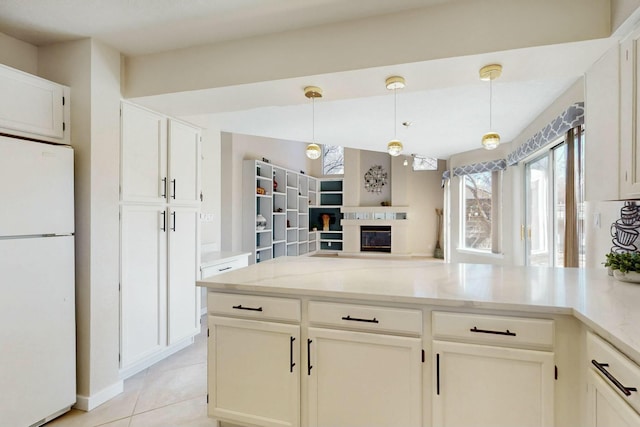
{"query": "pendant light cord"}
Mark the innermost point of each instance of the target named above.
(395, 113)
(313, 120)
(490, 102)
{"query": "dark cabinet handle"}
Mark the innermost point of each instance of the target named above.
(164, 188)
(355, 319)
(438, 374)
(173, 216)
(164, 221)
(173, 184)
(291, 362)
(600, 367)
(309, 341)
(225, 269)
(240, 307)
(485, 331)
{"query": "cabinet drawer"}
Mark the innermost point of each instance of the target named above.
(614, 368)
(255, 307)
(364, 317)
(223, 267)
(502, 330)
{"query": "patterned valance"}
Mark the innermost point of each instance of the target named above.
(490, 166)
(572, 117)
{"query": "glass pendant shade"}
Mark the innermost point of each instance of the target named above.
(490, 140)
(313, 151)
(394, 147)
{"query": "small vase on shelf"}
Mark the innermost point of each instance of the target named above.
(261, 222)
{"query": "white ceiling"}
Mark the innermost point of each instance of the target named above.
(444, 100)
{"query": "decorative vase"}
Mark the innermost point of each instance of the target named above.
(325, 222)
(261, 222)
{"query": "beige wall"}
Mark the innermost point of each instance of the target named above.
(18, 54)
(370, 42)
(92, 71)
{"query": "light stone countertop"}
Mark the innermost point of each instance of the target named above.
(609, 307)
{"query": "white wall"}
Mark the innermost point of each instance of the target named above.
(18, 54)
(92, 70)
(367, 160)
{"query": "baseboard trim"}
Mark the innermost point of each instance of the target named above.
(87, 403)
(143, 364)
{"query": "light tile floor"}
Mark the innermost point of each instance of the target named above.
(171, 393)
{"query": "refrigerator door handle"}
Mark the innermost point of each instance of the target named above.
(173, 215)
(164, 221)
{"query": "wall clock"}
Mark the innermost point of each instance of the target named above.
(374, 179)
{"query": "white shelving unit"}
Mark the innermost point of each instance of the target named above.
(284, 204)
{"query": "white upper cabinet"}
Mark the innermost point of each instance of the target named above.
(184, 161)
(33, 107)
(144, 155)
(629, 119)
(160, 158)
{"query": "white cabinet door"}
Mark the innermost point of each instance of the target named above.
(184, 163)
(484, 386)
(605, 407)
(143, 155)
(254, 372)
(629, 117)
(31, 106)
(362, 379)
(182, 295)
(143, 282)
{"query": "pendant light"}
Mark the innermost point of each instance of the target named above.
(394, 147)
(313, 150)
(491, 139)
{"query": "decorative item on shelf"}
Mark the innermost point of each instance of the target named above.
(264, 159)
(394, 147)
(275, 185)
(385, 203)
(313, 150)
(279, 210)
(261, 222)
(326, 218)
(288, 224)
(438, 252)
(261, 191)
(491, 139)
(374, 179)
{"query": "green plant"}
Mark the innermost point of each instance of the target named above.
(623, 261)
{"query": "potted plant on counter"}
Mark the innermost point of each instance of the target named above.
(624, 266)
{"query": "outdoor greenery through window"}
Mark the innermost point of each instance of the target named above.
(332, 160)
(478, 199)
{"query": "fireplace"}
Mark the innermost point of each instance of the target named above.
(375, 238)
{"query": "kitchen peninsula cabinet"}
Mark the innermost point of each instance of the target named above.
(541, 316)
(487, 375)
(254, 360)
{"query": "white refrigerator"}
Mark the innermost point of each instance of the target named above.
(37, 282)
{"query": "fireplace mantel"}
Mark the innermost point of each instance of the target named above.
(396, 217)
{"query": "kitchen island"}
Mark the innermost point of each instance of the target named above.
(416, 306)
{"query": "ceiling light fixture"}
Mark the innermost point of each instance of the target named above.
(491, 139)
(313, 150)
(394, 147)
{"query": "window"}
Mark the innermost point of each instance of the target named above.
(332, 160)
(554, 205)
(480, 198)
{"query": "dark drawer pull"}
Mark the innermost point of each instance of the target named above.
(225, 269)
(240, 307)
(291, 362)
(356, 319)
(600, 367)
(485, 331)
(309, 366)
